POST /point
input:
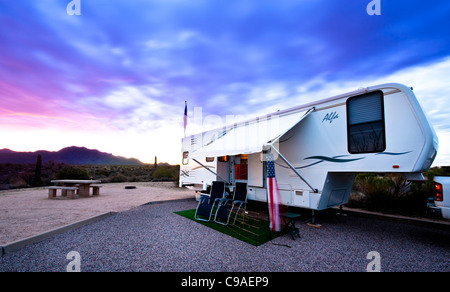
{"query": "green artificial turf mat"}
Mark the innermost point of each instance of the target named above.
(249, 229)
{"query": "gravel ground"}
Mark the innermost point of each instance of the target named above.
(153, 238)
(28, 212)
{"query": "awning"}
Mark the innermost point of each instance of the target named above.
(248, 137)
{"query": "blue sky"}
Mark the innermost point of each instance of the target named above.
(116, 77)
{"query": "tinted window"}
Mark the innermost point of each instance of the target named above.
(365, 123)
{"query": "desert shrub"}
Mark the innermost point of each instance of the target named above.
(163, 172)
(117, 177)
(376, 190)
(102, 171)
(72, 172)
(390, 193)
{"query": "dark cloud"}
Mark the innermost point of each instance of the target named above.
(211, 52)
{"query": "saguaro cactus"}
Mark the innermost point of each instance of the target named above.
(38, 171)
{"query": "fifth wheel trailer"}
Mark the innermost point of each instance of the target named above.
(318, 148)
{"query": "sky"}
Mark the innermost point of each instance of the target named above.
(116, 77)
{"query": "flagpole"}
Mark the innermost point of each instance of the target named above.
(272, 192)
(266, 153)
(185, 117)
(266, 156)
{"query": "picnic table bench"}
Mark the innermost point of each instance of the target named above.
(65, 191)
(73, 188)
(95, 190)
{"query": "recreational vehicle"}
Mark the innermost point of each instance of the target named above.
(318, 148)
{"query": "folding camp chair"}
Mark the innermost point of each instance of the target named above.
(239, 201)
(206, 204)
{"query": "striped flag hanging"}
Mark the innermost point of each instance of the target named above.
(273, 197)
(185, 118)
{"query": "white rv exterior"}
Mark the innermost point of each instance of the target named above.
(318, 147)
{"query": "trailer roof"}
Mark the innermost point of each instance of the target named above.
(250, 136)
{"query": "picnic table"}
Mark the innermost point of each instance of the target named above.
(69, 187)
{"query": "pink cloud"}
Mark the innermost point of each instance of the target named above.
(21, 108)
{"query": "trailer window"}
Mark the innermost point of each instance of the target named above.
(365, 123)
(185, 158)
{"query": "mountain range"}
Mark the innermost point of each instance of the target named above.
(68, 155)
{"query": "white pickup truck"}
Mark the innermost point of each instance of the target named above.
(440, 205)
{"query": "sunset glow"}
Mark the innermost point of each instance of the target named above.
(115, 77)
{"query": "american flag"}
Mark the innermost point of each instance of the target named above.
(185, 117)
(273, 197)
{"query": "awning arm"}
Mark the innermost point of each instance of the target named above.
(293, 169)
(210, 171)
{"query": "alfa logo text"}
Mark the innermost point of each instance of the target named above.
(330, 117)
